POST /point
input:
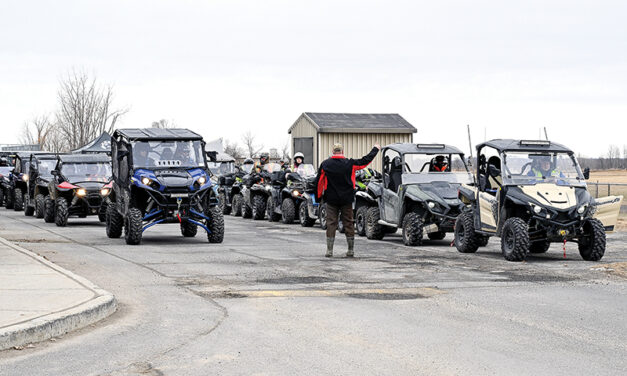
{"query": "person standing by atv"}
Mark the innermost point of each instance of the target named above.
(336, 184)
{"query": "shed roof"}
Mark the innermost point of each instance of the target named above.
(525, 145)
(357, 123)
(148, 134)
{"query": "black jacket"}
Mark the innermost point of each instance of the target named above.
(336, 178)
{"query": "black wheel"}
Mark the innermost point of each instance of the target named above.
(215, 225)
(482, 240)
(29, 207)
(102, 212)
(360, 220)
(9, 199)
(133, 226)
(226, 210)
(247, 210)
(515, 239)
(539, 247)
(373, 229)
(18, 199)
(270, 210)
(412, 229)
(236, 206)
(323, 216)
(592, 243)
(303, 215)
(115, 222)
(465, 235)
(288, 211)
(259, 207)
(61, 212)
(438, 235)
(49, 213)
(39, 205)
(189, 229)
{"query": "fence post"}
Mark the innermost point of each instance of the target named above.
(597, 186)
(608, 189)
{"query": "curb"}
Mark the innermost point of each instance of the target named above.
(54, 324)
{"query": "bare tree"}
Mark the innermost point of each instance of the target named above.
(251, 148)
(56, 142)
(36, 131)
(164, 124)
(85, 109)
(613, 156)
(285, 151)
(233, 149)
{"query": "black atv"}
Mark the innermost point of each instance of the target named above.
(299, 196)
(5, 173)
(161, 176)
(18, 179)
(281, 203)
(257, 190)
(235, 187)
(224, 173)
(40, 174)
(418, 192)
(80, 186)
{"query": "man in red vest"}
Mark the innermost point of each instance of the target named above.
(336, 185)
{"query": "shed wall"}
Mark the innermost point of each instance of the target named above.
(356, 145)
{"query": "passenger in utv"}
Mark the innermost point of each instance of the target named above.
(438, 164)
(143, 152)
(336, 185)
(541, 168)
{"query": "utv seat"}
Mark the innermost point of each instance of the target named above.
(396, 173)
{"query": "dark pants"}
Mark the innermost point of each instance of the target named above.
(346, 212)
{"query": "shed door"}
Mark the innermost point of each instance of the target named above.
(305, 146)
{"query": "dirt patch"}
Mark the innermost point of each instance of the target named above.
(296, 280)
(618, 269)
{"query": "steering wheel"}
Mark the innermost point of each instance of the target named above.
(522, 170)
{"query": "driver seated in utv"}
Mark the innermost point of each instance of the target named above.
(532, 193)
(161, 176)
(418, 192)
(79, 187)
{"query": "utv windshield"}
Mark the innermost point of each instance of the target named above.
(247, 168)
(164, 154)
(221, 168)
(45, 166)
(306, 170)
(524, 168)
(429, 168)
(78, 172)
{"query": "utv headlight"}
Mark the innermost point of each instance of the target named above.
(582, 209)
(431, 204)
(202, 180)
(145, 181)
(537, 209)
(104, 192)
(81, 192)
(25, 177)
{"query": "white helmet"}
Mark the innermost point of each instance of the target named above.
(299, 155)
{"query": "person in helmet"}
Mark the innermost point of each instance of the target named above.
(141, 155)
(438, 164)
(299, 159)
(247, 166)
(183, 154)
(541, 168)
(264, 158)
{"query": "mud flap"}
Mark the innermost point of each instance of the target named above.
(608, 209)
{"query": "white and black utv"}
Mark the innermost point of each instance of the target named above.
(531, 193)
(161, 176)
(418, 192)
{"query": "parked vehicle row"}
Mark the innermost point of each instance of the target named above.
(536, 197)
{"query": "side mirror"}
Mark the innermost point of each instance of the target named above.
(493, 171)
(212, 155)
(586, 173)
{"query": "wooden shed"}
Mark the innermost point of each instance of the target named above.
(314, 134)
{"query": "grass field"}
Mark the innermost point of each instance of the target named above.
(608, 176)
(613, 177)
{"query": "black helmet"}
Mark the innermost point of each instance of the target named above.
(263, 158)
(248, 161)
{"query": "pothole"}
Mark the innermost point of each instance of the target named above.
(386, 296)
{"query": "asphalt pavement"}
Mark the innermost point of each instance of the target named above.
(266, 302)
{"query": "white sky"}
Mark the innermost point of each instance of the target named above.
(224, 67)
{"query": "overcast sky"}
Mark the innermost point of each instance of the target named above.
(224, 67)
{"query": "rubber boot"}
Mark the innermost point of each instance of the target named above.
(329, 247)
(351, 247)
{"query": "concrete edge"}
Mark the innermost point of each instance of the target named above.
(55, 324)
